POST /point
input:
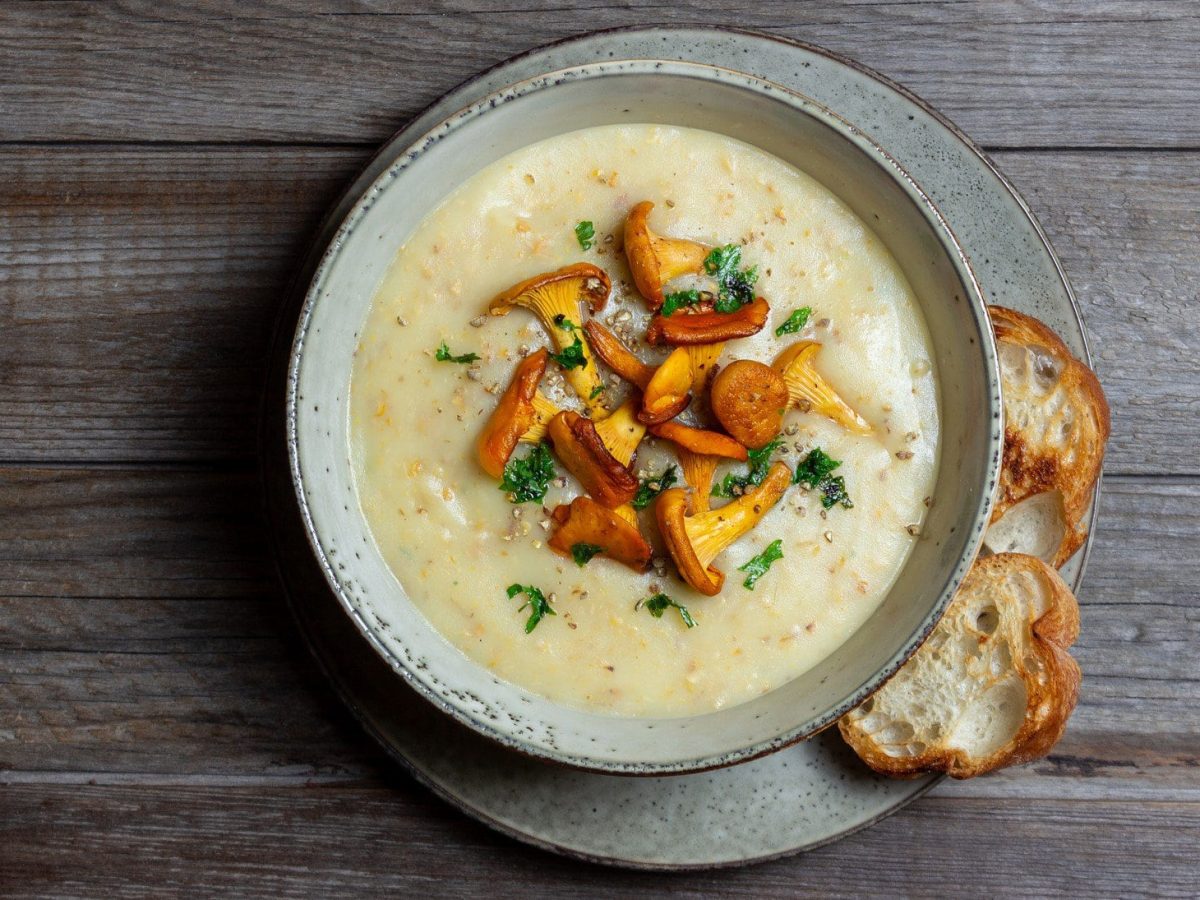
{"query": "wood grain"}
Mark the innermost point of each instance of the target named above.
(344, 839)
(140, 284)
(154, 643)
(1118, 73)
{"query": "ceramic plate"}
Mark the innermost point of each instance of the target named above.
(798, 798)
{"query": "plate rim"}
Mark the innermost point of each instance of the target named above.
(283, 334)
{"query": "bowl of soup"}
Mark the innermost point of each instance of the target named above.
(401, 361)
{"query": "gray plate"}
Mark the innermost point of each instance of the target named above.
(796, 799)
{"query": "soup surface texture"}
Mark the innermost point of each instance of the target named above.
(455, 542)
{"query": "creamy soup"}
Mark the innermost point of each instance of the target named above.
(455, 542)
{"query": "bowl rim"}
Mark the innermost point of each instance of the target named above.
(802, 105)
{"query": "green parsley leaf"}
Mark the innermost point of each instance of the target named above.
(734, 485)
(527, 478)
(678, 299)
(596, 392)
(539, 606)
(814, 470)
(797, 320)
(757, 567)
(443, 355)
(564, 323)
(660, 603)
(735, 284)
(571, 357)
(583, 553)
(653, 486)
(585, 233)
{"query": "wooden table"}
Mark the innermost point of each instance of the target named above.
(162, 166)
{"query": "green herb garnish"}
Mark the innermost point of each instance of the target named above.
(677, 300)
(583, 553)
(596, 392)
(444, 355)
(814, 471)
(660, 603)
(653, 486)
(757, 567)
(571, 357)
(539, 606)
(734, 485)
(735, 284)
(585, 233)
(527, 478)
(797, 320)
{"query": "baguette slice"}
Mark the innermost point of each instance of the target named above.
(992, 687)
(1056, 422)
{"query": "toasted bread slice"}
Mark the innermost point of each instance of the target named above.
(993, 685)
(1056, 422)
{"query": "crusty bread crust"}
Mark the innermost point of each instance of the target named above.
(1050, 675)
(1050, 446)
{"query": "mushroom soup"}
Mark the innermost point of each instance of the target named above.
(667, 596)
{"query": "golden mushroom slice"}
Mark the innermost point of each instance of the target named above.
(621, 431)
(749, 400)
(696, 539)
(582, 452)
(554, 297)
(699, 451)
(666, 394)
(514, 415)
(543, 411)
(708, 327)
(702, 358)
(585, 525)
(654, 260)
(617, 356)
(808, 391)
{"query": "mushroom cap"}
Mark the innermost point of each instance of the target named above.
(670, 510)
(543, 411)
(513, 415)
(594, 287)
(582, 452)
(655, 260)
(687, 328)
(749, 400)
(666, 394)
(701, 441)
(585, 521)
(808, 390)
(617, 356)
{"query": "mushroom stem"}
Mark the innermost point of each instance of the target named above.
(808, 391)
(621, 431)
(543, 411)
(702, 358)
(617, 356)
(698, 471)
(695, 540)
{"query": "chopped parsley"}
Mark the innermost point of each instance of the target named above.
(653, 486)
(815, 472)
(528, 477)
(673, 302)
(797, 320)
(757, 567)
(585, 233)
(735, 284)
(660, 603)
(570, 357)
(444, 355)
(583, 553)
(539, 606)
(734, 485)
(596, 392)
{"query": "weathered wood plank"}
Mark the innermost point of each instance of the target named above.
(140, 285)
(1117, 73)
(348, 839)
(141, 632)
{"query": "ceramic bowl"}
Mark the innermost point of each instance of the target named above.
(783, 123)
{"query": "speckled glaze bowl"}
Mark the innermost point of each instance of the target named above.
(780, 122)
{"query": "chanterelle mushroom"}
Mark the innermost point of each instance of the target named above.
(587, 522)
(699, 452)
(686, 328)
(666, 394)
(514, 416)
(582, 451)
(621, 431)
(749, 400)
(617, 356)
(807, 390)
(695, 540)
(655, 260)
(555, 297)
